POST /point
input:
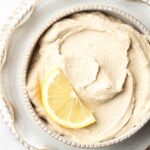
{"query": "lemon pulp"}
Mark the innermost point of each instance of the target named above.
(62, 104)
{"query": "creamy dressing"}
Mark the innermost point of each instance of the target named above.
(107, 62)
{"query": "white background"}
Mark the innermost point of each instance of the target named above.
(7, 140)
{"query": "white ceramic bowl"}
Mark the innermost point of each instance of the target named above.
(56, 15)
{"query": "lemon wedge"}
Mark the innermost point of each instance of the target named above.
(62, 104)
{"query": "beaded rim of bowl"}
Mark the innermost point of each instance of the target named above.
(61, 14)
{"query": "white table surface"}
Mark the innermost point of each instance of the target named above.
(7, 140)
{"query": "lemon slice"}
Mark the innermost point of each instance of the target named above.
(62, 104)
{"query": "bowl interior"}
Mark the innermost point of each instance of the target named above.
(125, 17)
